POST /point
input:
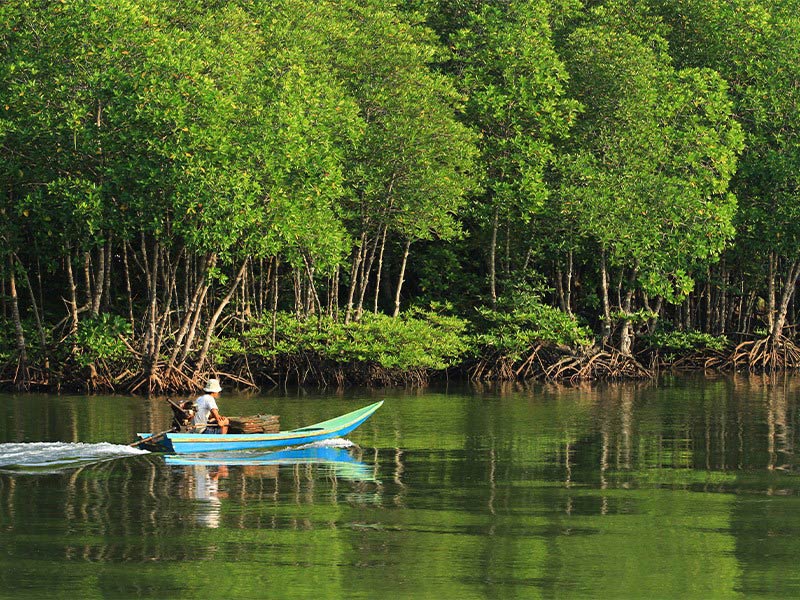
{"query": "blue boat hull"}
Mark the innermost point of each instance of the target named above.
(190, 443)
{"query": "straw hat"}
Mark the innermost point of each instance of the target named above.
(212, 385)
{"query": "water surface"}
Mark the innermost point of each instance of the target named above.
(686, 489)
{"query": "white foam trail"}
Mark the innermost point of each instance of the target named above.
(60, 454)
(331, 443)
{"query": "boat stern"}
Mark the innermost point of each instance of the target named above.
(158, 443)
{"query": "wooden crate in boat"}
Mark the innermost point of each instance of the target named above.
(254, 424)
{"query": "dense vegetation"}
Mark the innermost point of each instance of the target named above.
(372, 192)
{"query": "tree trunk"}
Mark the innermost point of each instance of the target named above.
(204, 286)
(275, 302)
(260, 292)
(722, 320)
(752, 300)
(19, 331)
(626, 334)
(271, 265)
(150, 355)
(507, 247)
(707, 294)
(128, 290)
(73, 296)
(741, 322)
(657, 312)
(314, 297)
(687, 314)
(298, 294)
(333, 295)
(562, 301)
(191, 308)
(144, 265)
(35, 308)
(4, 296)
(170, 271)
(87, 278)
(773, 268)
(379, 274)
(354, 277)
(786, 295)
(99, 279)
(401, 278)
(107, 278)
(570, 268)
(652, 320)
(606, 300)
(215, 317)
(251, 300)
(39, 290)
(366, 269)
(493, 259)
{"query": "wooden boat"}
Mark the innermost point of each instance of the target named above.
(187, 443)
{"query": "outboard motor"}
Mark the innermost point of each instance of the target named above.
(182, 415)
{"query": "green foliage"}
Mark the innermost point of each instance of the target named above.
(649, 166)
(676, 343)
(8, 350)
(224, 349)
(99, 339)
(516, 332)
(755, 46)
(420, 339)
(637, 317)
(515, 86)
(505, 62)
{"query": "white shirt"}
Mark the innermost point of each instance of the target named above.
(205, 404)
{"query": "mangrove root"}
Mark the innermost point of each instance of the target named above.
(764, 356)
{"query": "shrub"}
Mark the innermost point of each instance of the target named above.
(514, 333)
(680, 343)
(419, 339)
(99, 339)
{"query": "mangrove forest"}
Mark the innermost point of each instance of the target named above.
(381, 192)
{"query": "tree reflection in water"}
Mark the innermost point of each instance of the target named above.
(692, 485)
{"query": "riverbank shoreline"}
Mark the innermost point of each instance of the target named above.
(542, 364)
(409, 350)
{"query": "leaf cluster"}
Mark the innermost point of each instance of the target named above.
(682, 341)
(100, 339)
(427, 340)
(516, 333)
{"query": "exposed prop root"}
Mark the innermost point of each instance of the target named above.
(703, 360)
(764, 355)
(308, 369)
(604, 365)
(24, 377)
(556, 365)
(499, 367)
(496, 368)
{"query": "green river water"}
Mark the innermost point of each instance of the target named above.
(685, 489)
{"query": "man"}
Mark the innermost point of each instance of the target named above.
(207, 405)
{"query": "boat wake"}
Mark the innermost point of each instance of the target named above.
(51, 457)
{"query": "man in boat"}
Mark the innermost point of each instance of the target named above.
(207, 407)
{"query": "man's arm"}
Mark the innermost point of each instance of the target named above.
(220, 419)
